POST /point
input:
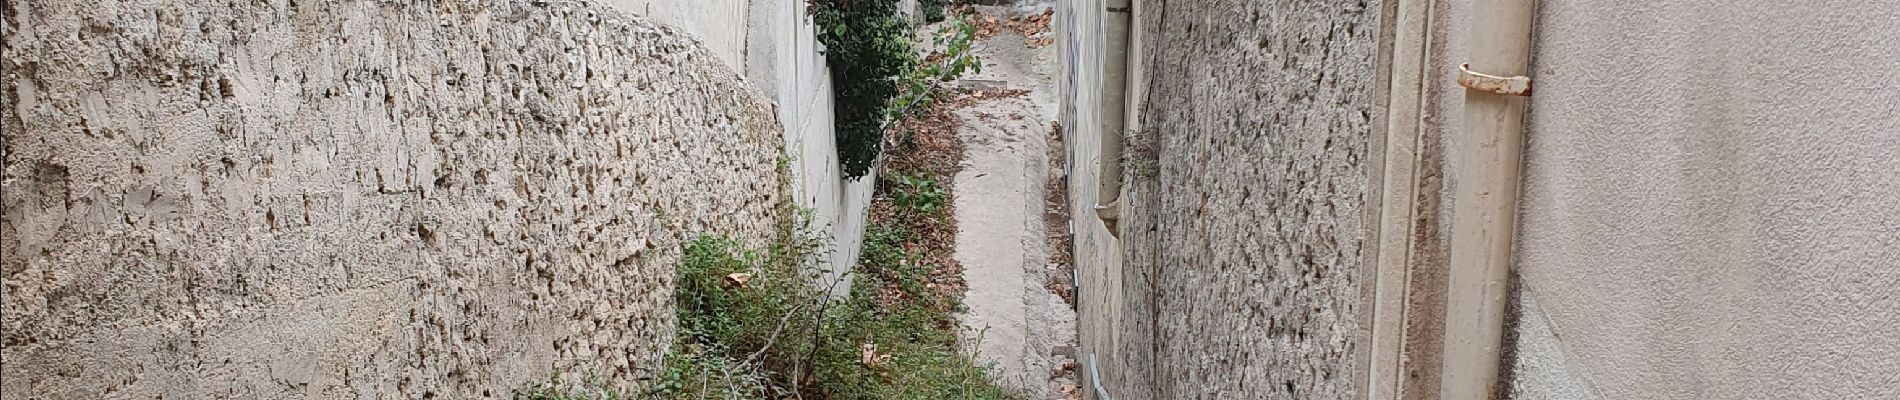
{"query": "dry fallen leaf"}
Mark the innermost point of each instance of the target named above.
(870, 358)
(738, 279)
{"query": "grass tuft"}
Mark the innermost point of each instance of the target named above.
(756, 324)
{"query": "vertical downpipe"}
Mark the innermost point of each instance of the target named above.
(1485, 215)
(1116, 18)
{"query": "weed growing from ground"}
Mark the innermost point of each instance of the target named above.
(759, 325)
(557, 389)
(918, 195)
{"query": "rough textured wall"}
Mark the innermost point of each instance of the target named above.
(1246, 190)
(351, 199)
(1710, 196)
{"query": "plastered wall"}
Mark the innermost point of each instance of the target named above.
(773, 45)
(1709, 196)
(342, 199)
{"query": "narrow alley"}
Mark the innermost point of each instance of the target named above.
(949, 199)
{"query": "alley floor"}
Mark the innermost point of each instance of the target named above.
(1014, 321)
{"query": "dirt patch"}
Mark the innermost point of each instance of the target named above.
(1055, 220)
(927, 146)
(1033, 27)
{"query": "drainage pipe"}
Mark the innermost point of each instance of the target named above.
(1116, 17)
(1484, 223)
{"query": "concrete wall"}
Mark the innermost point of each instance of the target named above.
(338, 199)
(1707, 203)
(1097, 253)
(1710, 196)
(1670, 166)
(786, 61)
(720, 25)
(1243, 220)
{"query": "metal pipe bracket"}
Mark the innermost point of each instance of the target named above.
(1479, 81)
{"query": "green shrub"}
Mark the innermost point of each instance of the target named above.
(867, 46)
(778, 332)
(876, 75)
(917, 331)
(695, 372)
(557, 389)
(951, 64)
(932, 9)
(919, 195)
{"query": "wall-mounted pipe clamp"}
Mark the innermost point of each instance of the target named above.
(1479, 81)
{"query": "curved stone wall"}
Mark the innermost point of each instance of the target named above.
(361, 199)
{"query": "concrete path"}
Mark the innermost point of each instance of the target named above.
(1013, 321)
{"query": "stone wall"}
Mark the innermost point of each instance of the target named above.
(1244, 222)
(775, 44)
(331, 198)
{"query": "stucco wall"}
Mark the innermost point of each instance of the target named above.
(1709, 198)
(339, 199)
(1247, 184)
